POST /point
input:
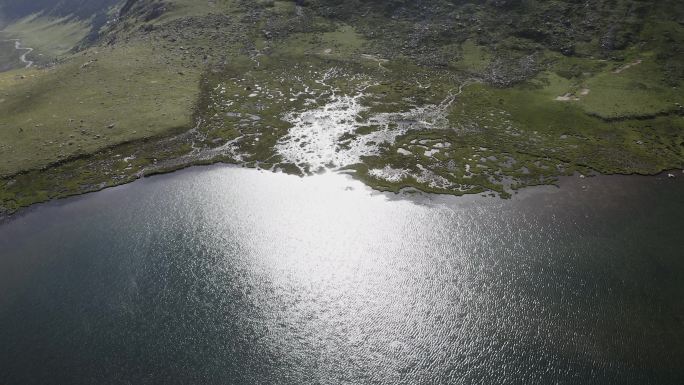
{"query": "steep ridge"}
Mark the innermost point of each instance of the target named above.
(55, 26)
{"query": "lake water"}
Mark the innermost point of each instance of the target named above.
(223, 275)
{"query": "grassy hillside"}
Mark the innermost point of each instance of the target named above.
(444, 96)
(100, 98)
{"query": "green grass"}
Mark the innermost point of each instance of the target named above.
(566, 131)
(637, 91)
(473, 58)
(95, 100)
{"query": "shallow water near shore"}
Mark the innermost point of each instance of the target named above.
(229, 275)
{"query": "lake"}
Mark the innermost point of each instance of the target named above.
(225, 275)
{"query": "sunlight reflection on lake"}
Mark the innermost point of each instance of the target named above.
(229, 275)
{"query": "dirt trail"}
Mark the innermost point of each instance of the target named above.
(17, 45)
(627, 66)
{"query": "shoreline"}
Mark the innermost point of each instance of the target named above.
(565, 182)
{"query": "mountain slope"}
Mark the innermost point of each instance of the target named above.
(82, 9)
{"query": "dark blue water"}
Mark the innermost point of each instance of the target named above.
(232, 276)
